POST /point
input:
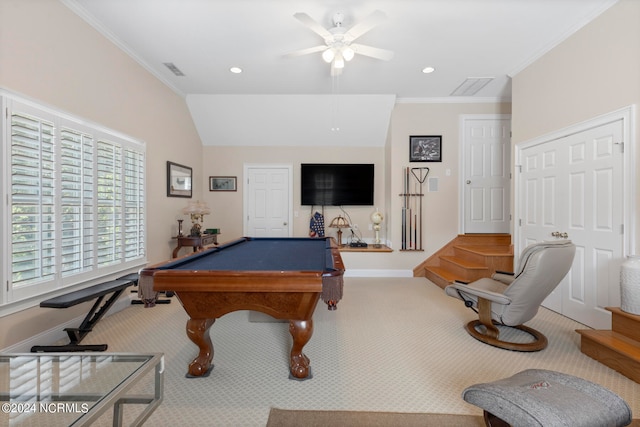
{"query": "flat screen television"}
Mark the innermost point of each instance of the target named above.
(337, 184)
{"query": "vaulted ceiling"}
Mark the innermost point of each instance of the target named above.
(203, 39)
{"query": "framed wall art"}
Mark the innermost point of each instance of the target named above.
(427, 148)
(179, 180)
(223, 183)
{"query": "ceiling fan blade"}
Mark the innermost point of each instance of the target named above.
(312, 25)
(371, 51)
(306, 51)
(362, 27)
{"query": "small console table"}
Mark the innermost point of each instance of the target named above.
(197, 242)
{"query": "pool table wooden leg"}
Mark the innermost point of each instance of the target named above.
(301, 331)
(198, 332)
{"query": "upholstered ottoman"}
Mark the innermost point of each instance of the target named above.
(537, 397)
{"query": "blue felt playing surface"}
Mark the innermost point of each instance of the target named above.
(262, 254)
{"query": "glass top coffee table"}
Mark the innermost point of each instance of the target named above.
(75, 389)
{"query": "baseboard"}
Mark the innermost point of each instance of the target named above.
(57, 333)
(377, 273)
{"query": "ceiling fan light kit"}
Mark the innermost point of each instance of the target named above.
(339, 46)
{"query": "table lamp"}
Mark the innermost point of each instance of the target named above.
(339, 223)
(197, 210)
(377, 218)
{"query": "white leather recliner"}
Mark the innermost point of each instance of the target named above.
(510, 300)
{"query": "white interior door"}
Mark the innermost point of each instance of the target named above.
(486, 147)
(572, 187)
(268, 200)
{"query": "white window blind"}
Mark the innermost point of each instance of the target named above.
(76, 201)
(32, 199)
(76, 149)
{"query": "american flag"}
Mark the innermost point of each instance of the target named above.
(316, 225)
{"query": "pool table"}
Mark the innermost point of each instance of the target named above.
(282, 277)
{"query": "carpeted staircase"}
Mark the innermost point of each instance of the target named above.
(468, 257)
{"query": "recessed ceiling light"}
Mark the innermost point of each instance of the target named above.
(235, 70)
(428, 70)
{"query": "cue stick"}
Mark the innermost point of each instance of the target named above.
(408, 212)
(416, 222)
(411, 206)
(416, 233)
(404, 213)
(421, 180)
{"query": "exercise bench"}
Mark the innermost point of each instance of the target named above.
(97, 312)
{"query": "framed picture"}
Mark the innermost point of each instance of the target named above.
(179, 180)
(425, 148)
(223, 183)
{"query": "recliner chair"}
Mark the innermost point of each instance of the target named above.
(510, 300)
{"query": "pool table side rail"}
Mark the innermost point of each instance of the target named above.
(168, 279)
(240, 281)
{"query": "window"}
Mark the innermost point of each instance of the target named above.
(76, 201)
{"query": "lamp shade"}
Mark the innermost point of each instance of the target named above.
(339, 222)
(328, 55)
(348, 53)
(197, 208)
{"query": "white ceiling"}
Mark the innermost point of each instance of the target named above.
(459, 38)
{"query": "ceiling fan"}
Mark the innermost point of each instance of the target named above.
(339, 46)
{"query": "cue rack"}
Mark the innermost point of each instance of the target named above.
(412, 207)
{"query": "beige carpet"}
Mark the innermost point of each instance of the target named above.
(285, 418)
(393, 345)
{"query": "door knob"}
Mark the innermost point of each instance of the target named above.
(468, 181)
(284, 223)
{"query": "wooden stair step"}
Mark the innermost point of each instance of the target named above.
(464, 263)
(440, 276)
(464, 269)
(625, 323)
(467, 258)
(612, 349)
(488, 250)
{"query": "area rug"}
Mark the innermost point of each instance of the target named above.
(287, 418)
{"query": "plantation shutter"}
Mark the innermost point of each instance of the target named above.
(134, 212)
(77, 201)
(33, 227)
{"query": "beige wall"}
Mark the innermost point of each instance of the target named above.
(227, 207)
(50, 55)
(440, 209)
(594, 72)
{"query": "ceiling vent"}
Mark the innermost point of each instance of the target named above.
(471, 86)
(172, 67)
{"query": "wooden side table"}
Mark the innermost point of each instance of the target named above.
(197, 242)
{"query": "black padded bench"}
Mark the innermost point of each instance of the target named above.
(100, 291)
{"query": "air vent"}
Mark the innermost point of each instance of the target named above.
(471, 86)
(175, 70)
